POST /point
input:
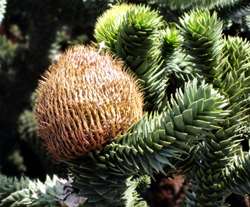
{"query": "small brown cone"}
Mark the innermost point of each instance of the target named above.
(85, 100)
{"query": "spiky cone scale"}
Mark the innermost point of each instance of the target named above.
(108, 26)
(85, 100)
(138, 45)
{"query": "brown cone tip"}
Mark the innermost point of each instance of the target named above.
(85, 100)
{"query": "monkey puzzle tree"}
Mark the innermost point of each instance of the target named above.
(192, 83)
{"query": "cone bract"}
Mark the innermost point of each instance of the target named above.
(84, 101)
